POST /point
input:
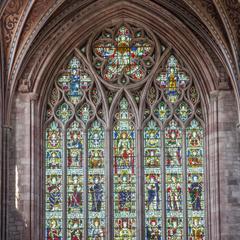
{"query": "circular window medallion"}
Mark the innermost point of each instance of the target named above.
(123, 54)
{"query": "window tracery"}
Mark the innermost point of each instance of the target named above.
(126, 91)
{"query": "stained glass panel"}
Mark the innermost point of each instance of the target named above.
(172, 78)
(75, 182)
(123, 52)
(183, 111)
(162, 111)
(195, 173)
(124, 174)
(174, 181)
(96, 181)
(54, 181)
(152, 172)
(74, 81)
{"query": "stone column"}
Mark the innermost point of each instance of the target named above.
(212, 170)
(23, 171)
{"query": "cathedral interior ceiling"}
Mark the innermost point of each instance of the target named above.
(28, 27)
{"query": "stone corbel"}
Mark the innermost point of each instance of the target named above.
(24, 86)
(214, 95)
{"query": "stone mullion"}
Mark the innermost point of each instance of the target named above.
(140, 231)
(85, 184)
(64, 183)
(163, 193)
(109, 184)
(184, 188)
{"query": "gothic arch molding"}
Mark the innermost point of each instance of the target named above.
(45, 67)
(201, 69)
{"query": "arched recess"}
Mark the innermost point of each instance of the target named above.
(122, 87)
(201, 70)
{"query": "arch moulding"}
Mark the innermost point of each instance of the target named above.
(43, 61)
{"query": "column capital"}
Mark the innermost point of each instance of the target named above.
(33, 96)
(214, 95)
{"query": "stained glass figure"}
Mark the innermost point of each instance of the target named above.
(74, 81)
(152, 172)
(54, 180)
(75, 181)
(124, 174)
(174, 181)
(96, 181)
(195, 173)
(123, 52)
(172, 79)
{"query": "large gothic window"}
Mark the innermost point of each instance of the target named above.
(124, 142)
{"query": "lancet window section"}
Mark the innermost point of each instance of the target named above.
(124, 94)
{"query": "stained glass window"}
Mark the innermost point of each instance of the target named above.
(124, 143)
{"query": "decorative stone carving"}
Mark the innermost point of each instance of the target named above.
(11, 17)
(24, 86)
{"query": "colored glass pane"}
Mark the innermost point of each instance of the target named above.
(85, 112)
(123, 53)
(195, 179)
(172, 78)
(152, 172)
(74, 81)
(64, 112)
(74, 182)
(124, 174)
(174, 181)
(96, 181)
(193, 94)
(54, 181)
(183, 111)
(152, 94)
(162, 111)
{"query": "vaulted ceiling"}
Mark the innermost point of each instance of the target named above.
(29, 29)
